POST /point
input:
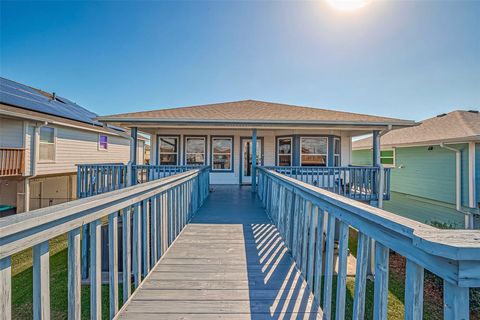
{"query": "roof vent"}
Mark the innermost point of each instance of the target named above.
(473, 111)
(53, 96)
(441, 115)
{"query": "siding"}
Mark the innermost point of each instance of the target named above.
(424, 173)
(477, 169)
(11, 133)
(75, 146)
(269, 146)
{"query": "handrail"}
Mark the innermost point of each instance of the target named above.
(354, 182)
(146, 172)
(152, 215)
(12, 161)
(305, 215)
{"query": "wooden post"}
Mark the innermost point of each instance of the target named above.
(5, 289)
(413, 291)
(96, 270)
(342, 271)
(113, 262)
(456, 301)
(74, 276)
(381, 282)
(126, 253)
(41, 281)
(133, 154)
(254, 160)
(361, 276)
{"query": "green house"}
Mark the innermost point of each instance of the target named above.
(437, 161)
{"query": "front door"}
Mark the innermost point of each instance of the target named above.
(246, 157)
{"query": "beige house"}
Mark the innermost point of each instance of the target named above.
(42, 138)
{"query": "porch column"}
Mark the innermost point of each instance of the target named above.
(153, 149)
(133, 155)
(376, 148)
(254, 160)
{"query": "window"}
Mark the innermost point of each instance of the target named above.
(103, 142)
(284, 150)
(336, 152)
(313, 151)
(222, 154)
(195, 151)
(168, 147)
(47, 144)
(387, 158)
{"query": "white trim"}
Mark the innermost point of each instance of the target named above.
(232, 169)
(178, 139)
(472, 201)
(204, 149)
(340, 151)
(98, 144)
(54, 145)
(277, 150)
(313, 154)
(394, 158)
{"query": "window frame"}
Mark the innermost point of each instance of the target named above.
(392, 157)
(205, 156)
(178, 153)
(313, 154)
(232, 153)
(99, 144)
(278, 154)
(54, 143)
(339, 154)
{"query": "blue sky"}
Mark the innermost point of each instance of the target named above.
(401, 59)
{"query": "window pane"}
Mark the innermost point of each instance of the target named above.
(168, 145)
(336, 146)
(103, 142)
(284, 161)
(308, 160)
(47, 151)
(222, 145)
(195, 145)
(386, 160)
(46, 134)
(221, 161)
(386, 153)
(285, 146)
(314, 145)
(168, 159)
(195, 159)
(336, 161)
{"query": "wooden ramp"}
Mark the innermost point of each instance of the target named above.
(229, 263)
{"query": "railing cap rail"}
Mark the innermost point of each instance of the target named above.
(450, 244)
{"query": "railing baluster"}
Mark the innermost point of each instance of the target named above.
(328, 284)
(126, 253)
(363, 250)
(145, 237)
(413, 291)
(113, 262)
(96, 270)
(456, 301)
(153, 231)
(6, 288)
(137, 246)
(342, 271)
(74, 274)
(381, 282)
(41, 281)
(311, 245)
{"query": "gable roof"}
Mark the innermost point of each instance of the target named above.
(252, 111)
(456, 126)
(22, 96)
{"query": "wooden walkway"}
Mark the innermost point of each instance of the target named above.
(228, 263)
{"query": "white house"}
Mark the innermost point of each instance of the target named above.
(221, 134)
(42, 138)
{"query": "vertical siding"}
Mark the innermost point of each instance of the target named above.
(11, 133)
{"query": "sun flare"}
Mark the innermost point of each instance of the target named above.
(348, 4)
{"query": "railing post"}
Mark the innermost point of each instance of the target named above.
(254, 160)
(381, 282)
(74, 274)
(5, 288)
(113, 262)
(96, 270)
(41, 281)
(456, 301)
(413, 291)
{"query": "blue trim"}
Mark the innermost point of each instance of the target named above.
(179, 148)
(330, 151)
(184, 149)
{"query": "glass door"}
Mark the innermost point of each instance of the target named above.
(247, 158)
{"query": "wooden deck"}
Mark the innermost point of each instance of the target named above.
(228, 263)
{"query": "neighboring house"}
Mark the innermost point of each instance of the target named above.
(426, 158)
(220, 135)
(42, 138)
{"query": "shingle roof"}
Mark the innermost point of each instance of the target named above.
(25, 97)
(253, 111)
(455, 126)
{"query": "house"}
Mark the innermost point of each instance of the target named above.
(438, 160)
(221, 135)
(42, 137)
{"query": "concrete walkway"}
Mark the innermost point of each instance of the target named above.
(228, 263)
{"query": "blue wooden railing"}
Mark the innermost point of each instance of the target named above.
(153, 214)
(311, 220)
(359, 183)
